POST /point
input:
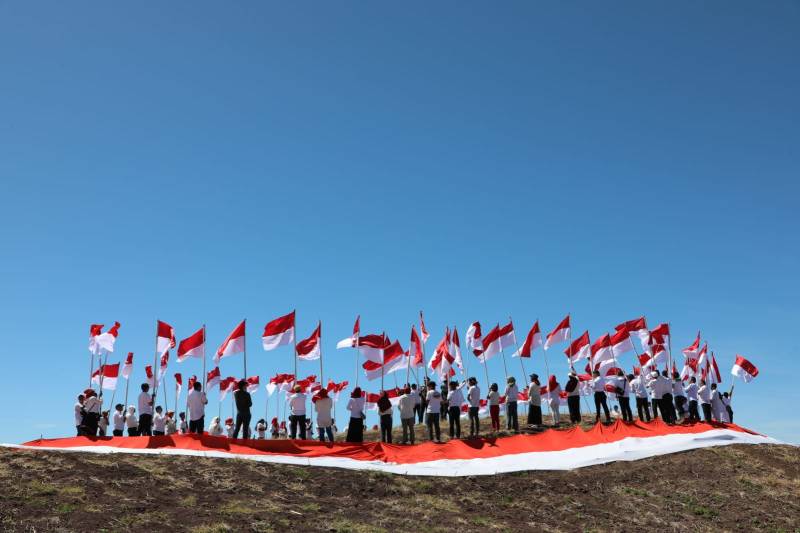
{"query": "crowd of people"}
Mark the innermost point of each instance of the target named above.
(656, 395)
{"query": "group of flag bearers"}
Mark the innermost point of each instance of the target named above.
(670, 395)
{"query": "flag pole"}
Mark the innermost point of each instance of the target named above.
(165, 394)
(321, 376)
(204, 377)
(176, 395)
(522, 364)
(669, 346)
(294, 337)
(91, 368)
(155, 367)
(245, 349)
(383, 359)
(127, 381)
(547, 370)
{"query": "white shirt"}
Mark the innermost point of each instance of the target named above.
(92, 404)
(474, 396)
(159, 421)
(119, 420)
(215, 429)
(677, 388)
(78, 415)
(261, 429)
(691, 392)
(184, 427)
(555, 397)
(456, 398)
(196, 402)
(494, 397)
(356, 407)
(131, 420)
(512, 393)
(599, 384)
(638, 388)
(622, 383)
(102, 425)
(415, 397)
(171, 427)
(434, 398)
(406, 406)
(323, 407)
(145, 408)
(229, 430)
(704, 393)
(297, 404)
(534, 395)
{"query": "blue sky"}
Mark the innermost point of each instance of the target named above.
(202, 163)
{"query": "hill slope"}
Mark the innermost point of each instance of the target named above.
(732, 487)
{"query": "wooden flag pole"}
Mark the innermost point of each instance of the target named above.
(319, 340)
(127, 381)
(155, 368)
(245, 349)
(204, 377)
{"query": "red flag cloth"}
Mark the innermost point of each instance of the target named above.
(279, 332)
(532, 341)
(213, 378)
(165, 337)
(579, 349)
(233, 344)
(621, 343)
(310, 348)
(559, 334)
(744, 369)
(423, 329)
(416, 349)
(193, 346)
(690, 352)
(127, 368)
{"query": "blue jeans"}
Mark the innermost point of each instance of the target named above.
(323, 431)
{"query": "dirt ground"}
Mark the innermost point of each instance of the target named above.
(721, 489)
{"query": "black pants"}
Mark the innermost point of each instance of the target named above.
(158, 433)
(534, 415)
(117, 432)
(600, 401)
(294, 422)
(574, 406)
(432, 421)
(730, 413)
(90, 421)
(79, 430)
(243, 423)
(455, 421)
(386, 428)
(423, 408)
(196, 426)
(706, 411)
(668, 408)
(643, 407)
(680, 405)
(419, 412)
(133, 432)
(474, 422)
(656, 408)
(694, 416)
(512, 422)
(146, 424)
(355, 430)
(625, 407)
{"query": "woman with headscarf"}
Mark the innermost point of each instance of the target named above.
(385, 412)
(355, 430)
(215, 429)
(323, 406)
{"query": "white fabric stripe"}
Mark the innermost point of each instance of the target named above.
(628, 449)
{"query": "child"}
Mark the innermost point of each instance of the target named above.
(494, 406)
(119, 420)
(274, 428)
(159, 421)
(229, 427)
(172, 428)
(215, 429)
(102, 424)
(184, 426)
(132, 422)
(282, 430)
(261, 429)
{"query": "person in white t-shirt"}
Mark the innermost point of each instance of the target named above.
(132, 422)
(229, 427)
(418, 413)
(406, 407)
(599, 387)
(171, 427)
(323, 406)
(554, 401)
(183, 426)
(454, 400)
(79, 414)
(642, 402)
(717, 406)
(196, 402)
(493, 399)
(297, 416)
(534, 402)
(145, 406)
(511, 394)
(102, 424)
(433, 411)
(118, 420)
(159, 422)
(215, 429)
(691, 395)
(91, 405)
(261, 429)
(474, 401)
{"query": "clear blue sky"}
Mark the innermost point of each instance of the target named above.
(202, 163)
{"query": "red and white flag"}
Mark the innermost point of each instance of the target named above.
(127, 368)
(193, 346)
(659, 335)
(213, 378)
(227, 385)
(106, 376)
(279, 332)
(742, 368)
(104, 341)
(659, 354)
(423, 330)
(689, 369)
(394, 359)
(532, 341)
(621, 343)
(351, 342)
(715, 370)
(638, 327)
(691, 352)
(490, 345)
(165, 337)
(442, 361)
(233, 344)
(507, 336)
(457, 349)
(552, 385)
(94, 331)
(702, 356)
(474, 336)
(601, 349)
(279, 382)
(178, 383)
(162, 369)
(252, 384)
(310, 348)
(372, 346)
(149, 378)
(415, 349)
(560, 334)
(579, 349)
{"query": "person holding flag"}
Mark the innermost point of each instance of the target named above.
(243, 402)
(534, 402)
(145, 401)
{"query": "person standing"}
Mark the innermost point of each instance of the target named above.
(704, 394)
(493, 399)
(196, 401)
(454, 401)
(118, 420)
(385, 413)
(623, 395)
(407, 407)
(444, 404)
(355, 429)
(243, 403)
(667, 407)
(717, 407)
(171, 427)
(132, 422)
(573, 398)
(323, 405)
(145, 411)
(642, 402)
(433, 411)
(512, 396)
(656, 392)
(274, 429)
(215, 429)
(691, 394)
(554, 400)
(534, 402)
(726, 401)
(261, 429)
(418, 411)
(423, 398)
(92, 406)
(599, 387)
(102, 424)
(474, 400)
(79, 412)
(158, 422)
(678, 395)
(183, 426)
(297, 410)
